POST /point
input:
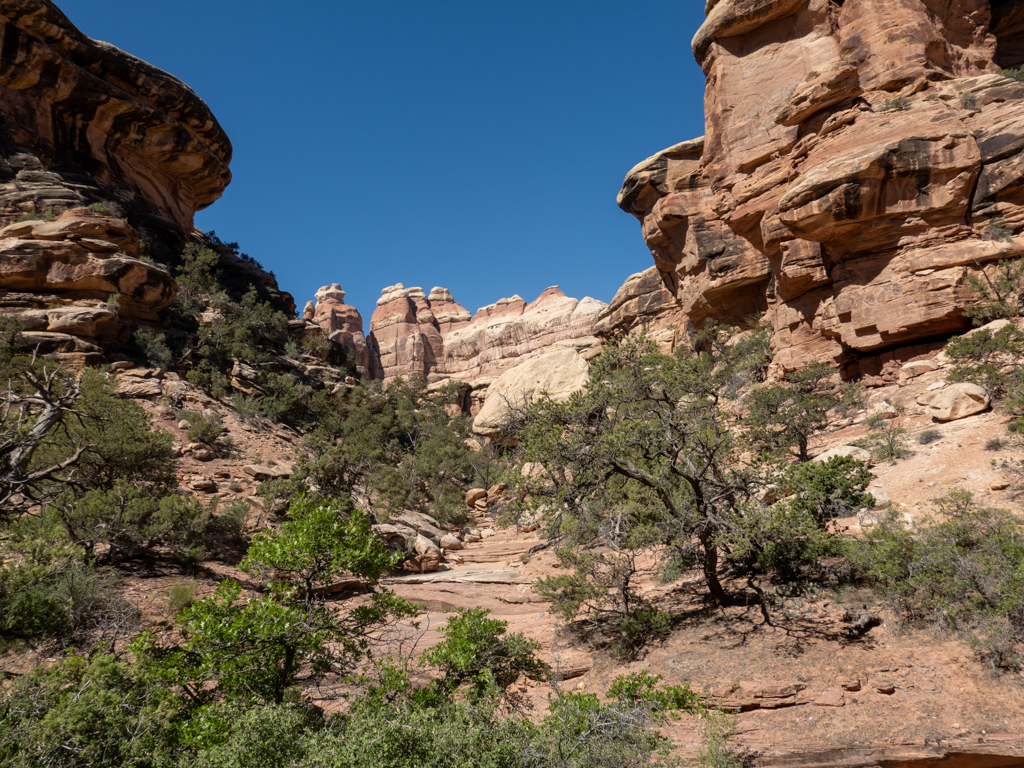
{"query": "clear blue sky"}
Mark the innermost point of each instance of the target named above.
(476, 146)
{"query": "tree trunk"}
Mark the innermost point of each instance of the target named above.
(718, 593)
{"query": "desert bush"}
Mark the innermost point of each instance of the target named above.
(969, 101)
(204, 427)
(962, 571)
(995, 444)
(998, 229)
(99, 208)
(897, 104)
(152, 347)
(180, 596)
(929, 436)
(1015, 73)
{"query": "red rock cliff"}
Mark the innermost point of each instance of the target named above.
(860, 159)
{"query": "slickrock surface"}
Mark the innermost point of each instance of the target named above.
(860, 160)
(413, 332)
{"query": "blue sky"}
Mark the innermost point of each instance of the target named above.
(476, 146)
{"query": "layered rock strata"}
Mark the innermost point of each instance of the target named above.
(97, 117)
(432, 334)
(104, 160)
(861, 159)
(342, 323)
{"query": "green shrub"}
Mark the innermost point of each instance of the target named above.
(929, 436)
(49, 215)
(180, 596)
(152, 347)
(204, 428)
(969, 101)
(995, 444)
(963, 571)
(1016, 73)
(998, 229)
(715, 731)
(28, 217)
(897, 104)
(99, 208)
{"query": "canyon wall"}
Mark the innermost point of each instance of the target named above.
(861, 159)
(432, 334)
(104, 160)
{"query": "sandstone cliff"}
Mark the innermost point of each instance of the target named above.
(413, 332)
(861, 158)
(104, 160)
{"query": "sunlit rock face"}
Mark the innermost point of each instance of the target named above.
(104, 160)
(431, 334)
(860, 159)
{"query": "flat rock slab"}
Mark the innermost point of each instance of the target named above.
(463, 576)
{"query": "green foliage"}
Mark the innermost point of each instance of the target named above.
(81, 712)
(644, 464)
(197, 277)
(1015, 73)
(886, 440)
(1000, 295)
(969, 101)
(995, 444)
(981, 356)
(782, 418)
(319, 541)
(400, 448)
(998, 229)
(715, 730)
(180, 596)
(897, 104)
(49, 215)
(204, 427)
(131, 520)
(793, 534)
(964, 571)
(114, 302)
(47, 591)
(152, 347)
(929, 436)
(479, 652)
(99, 208)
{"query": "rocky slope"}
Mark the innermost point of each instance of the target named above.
(861, 158)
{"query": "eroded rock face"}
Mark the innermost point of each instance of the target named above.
(860, 159)
(92, 113)
(432, 334)
(557, 374)
(644, 304)
(342, 323)
(79, 274)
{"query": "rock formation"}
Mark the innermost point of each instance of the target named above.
(413, 332)
(342, 324)
(861, 158)
(643, 303)
(104, 160)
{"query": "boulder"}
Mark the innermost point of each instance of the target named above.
(428, 562)
(263, 472)
(448, 541)
(556, 374)
(473, 495)
(135, 387)
(845, 450)
(421, 545)
(422, 524)
(916, 368)
(958, 401)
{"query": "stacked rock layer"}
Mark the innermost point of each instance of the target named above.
(432, 334)
(861, 159)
